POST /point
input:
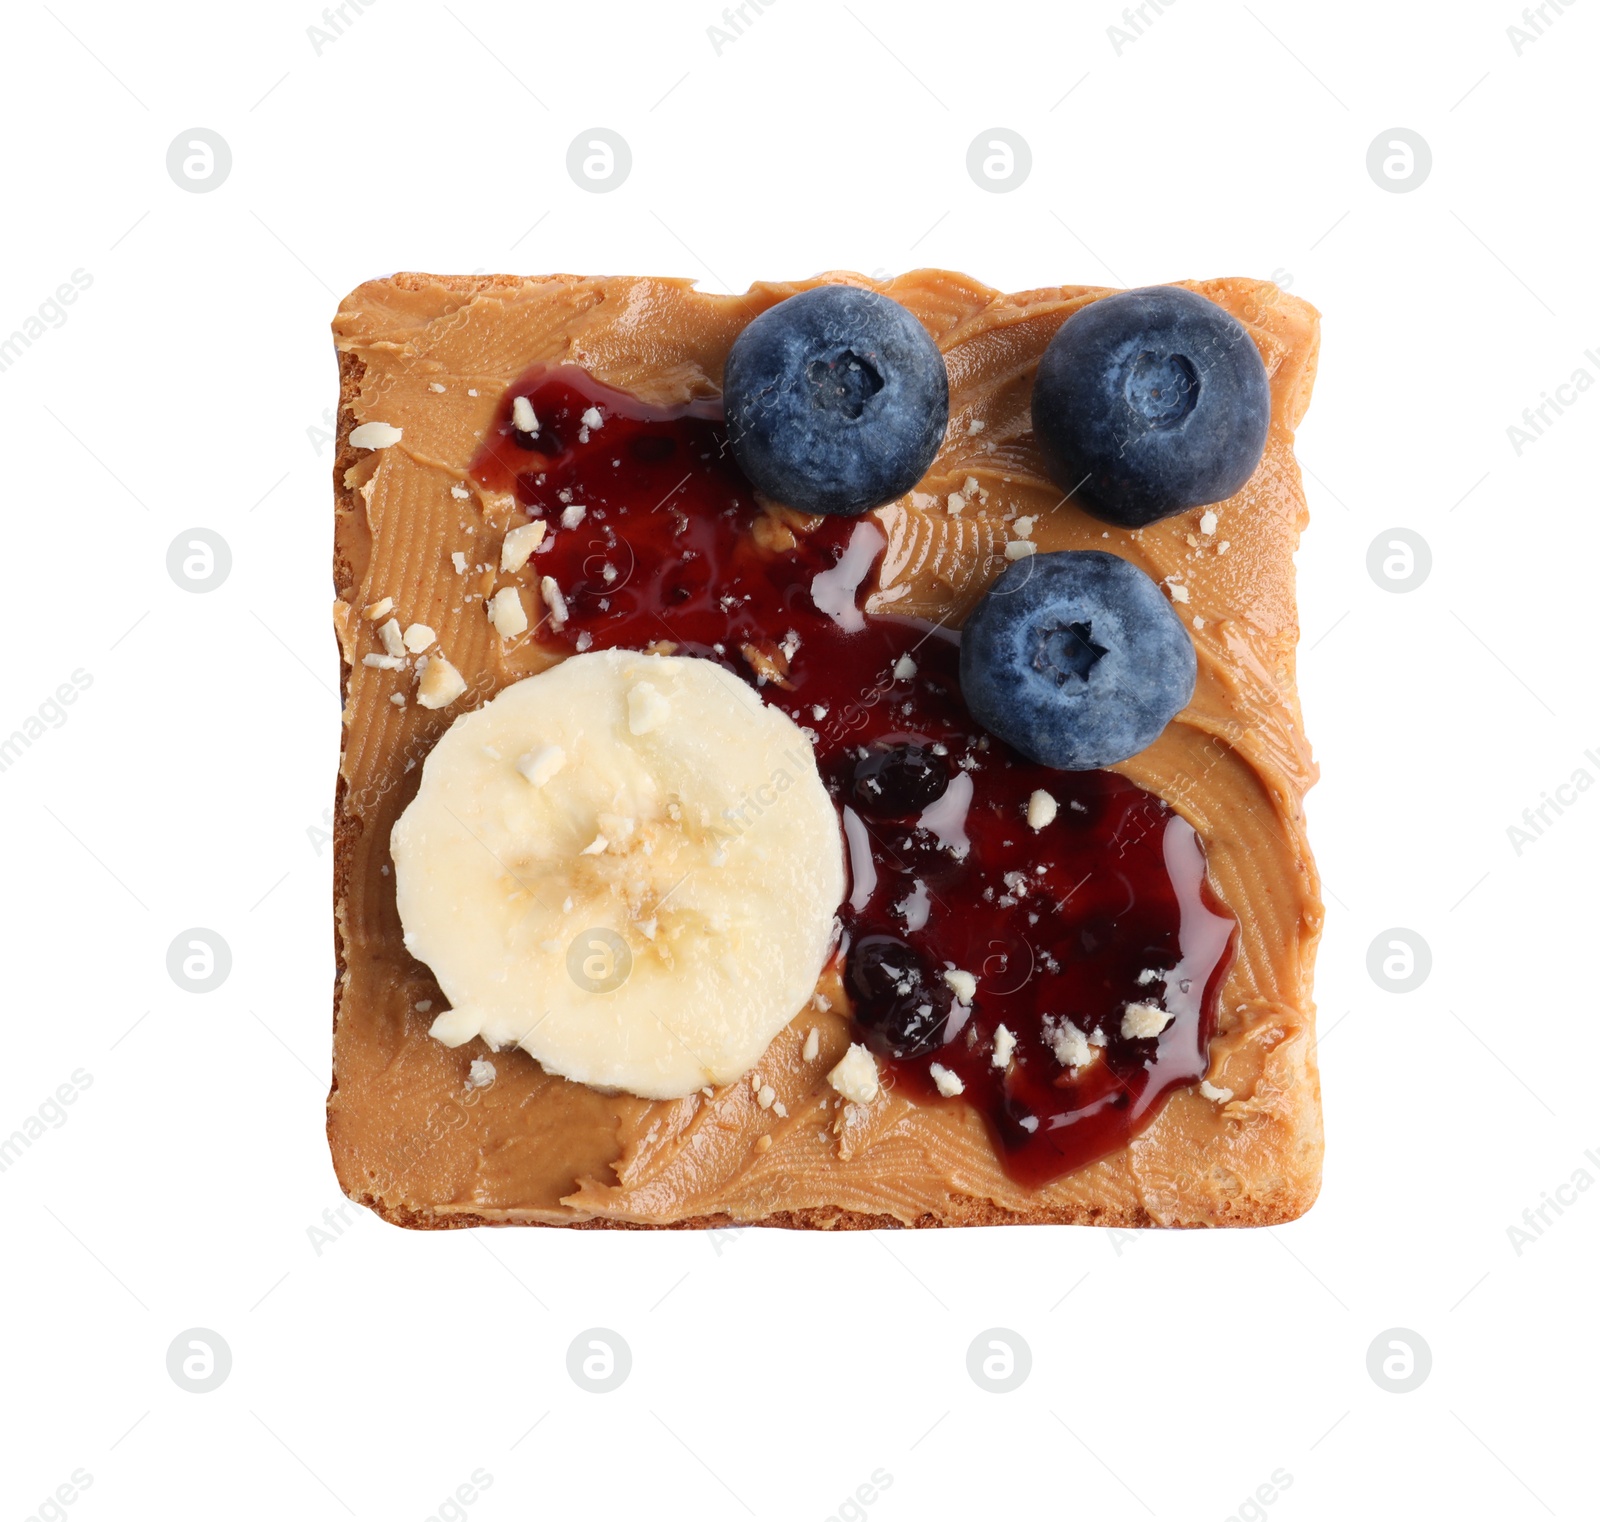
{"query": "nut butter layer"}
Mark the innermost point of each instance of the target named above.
(414, 1139)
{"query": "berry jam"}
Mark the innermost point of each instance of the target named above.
(1062, 927)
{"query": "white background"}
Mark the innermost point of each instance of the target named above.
(773, 1373)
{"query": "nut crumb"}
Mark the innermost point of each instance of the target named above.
(962, 984)
(506, 613)
(375, 435)
(441, 684)
(855, 1076)
(1142, 1021)
(518, 545)
(553, 600)
(949, 1084)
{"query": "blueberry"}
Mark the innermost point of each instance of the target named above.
(897, 781)
(836, 400)
(1076, 659)
(1148, 403)
(903, 1009)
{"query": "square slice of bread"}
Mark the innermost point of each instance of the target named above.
(429, 1136)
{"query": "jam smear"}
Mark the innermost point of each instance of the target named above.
(650, 539)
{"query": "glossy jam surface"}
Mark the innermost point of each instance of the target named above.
(650, 539)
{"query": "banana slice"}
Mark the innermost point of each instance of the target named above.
(627, 865)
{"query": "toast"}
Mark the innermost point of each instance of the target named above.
(434, 1136)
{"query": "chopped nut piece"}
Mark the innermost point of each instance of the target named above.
(506, 613)
(856, 1075)
(765, 1095)
(519, 544)
(808, 1052)
(1209, 1090)
(382, 608)
(417, 638)
(1020, 549)
(1004, 1045)
(389, 633)
(553, 600)
(1208, 522)
(1042, 808)
(523, 418)
(763, 1143)
(954, 503)
(591, 418)
(398, 699)
(648, 708)
(375, 436)
(435, 386)
(904, 669)
(946, 1082)
(1023, 528)
(458, 559)
(962, 984)
(383, 662)
(459, 492)
(1141, 1021)
(1068, 1043)
(441, 684)
(572, 516)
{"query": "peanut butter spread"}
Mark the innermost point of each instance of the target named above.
(422, 1134)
